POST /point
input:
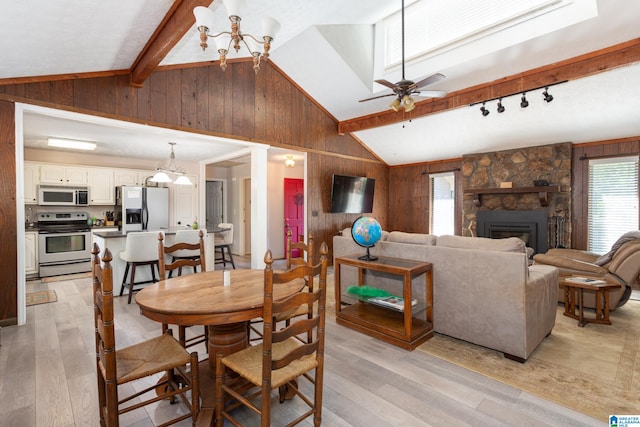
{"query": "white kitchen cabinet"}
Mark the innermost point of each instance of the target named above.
(131, 176)
(61, 174)
(31, 181)
(31, 253)
(184, 199)
(101, 186)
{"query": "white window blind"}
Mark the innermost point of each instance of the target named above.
(442, 187)
(434, 24)
(613, 200)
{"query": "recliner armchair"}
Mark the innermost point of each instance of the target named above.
(620, 265)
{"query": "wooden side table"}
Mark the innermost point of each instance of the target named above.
(407, 328)
(573, 290)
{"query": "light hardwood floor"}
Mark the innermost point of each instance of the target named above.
(47, 377)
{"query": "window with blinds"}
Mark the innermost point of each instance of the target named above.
(613, 201)
(436, 24)
(442, 188)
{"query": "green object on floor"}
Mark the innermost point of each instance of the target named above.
(368, 291)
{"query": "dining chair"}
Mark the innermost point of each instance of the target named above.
(297, 253)
(139, 250)
(160, 357)
(183, 253)
(192, 237)
(223, 241)
(281, 359)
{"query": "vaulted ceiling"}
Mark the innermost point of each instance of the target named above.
(327, 49)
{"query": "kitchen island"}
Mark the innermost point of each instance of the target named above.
(116, 240)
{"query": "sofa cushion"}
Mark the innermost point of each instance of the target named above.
(509, 244)
(412, 238)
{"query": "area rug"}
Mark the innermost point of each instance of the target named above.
(66, 277)
(594, 370)
(41, 297)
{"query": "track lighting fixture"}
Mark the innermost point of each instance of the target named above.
(524, 103)
(484, 111)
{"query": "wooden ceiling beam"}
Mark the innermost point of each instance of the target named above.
(570, 69)
(173, 27)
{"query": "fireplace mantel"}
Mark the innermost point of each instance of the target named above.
(543, 192)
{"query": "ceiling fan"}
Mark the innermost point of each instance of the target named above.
(404, 88)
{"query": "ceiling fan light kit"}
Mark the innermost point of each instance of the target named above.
(236, 38)
(524, 103)
(403, 89)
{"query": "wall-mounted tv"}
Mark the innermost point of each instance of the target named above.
(352, 194)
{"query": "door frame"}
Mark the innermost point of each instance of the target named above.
(245, 210)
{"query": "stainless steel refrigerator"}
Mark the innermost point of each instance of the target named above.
(143, 208)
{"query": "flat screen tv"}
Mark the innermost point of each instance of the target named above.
(352, 194)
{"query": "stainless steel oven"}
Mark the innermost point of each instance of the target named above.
(64, 243)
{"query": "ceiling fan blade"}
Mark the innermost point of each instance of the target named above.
(376, 97)
(430, 80)
(386, 83)
(430, 93)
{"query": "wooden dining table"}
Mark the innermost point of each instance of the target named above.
(202, 299)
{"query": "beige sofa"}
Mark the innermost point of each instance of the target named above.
(484, 291)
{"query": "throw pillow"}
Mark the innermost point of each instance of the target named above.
(626, 237)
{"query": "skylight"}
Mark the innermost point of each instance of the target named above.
(435, 26)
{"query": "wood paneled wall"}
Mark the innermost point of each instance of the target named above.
(8, 232)
(580, 185)
(265, 108)
(409, 195)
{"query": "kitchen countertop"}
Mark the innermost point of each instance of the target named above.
(114, 234)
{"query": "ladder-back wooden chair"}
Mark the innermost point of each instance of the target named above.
(183, 254)
(281, 358)
(297, 253)
(162, 355)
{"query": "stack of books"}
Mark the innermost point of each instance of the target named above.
(393, 302)
(585, 280)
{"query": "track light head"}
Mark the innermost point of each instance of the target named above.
(484, 111)
(500, 106)
(546, 95)
(523, 101)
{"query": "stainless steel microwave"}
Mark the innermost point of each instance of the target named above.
(55, 195)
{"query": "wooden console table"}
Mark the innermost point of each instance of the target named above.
(406, 328)
(602, 301)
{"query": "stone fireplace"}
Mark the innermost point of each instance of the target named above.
(547, 214)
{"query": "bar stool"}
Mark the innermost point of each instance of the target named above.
(223, 241)
(141, 248)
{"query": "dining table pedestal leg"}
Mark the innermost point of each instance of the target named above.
(226, 339)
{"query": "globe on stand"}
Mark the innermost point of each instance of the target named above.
(366, 232)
